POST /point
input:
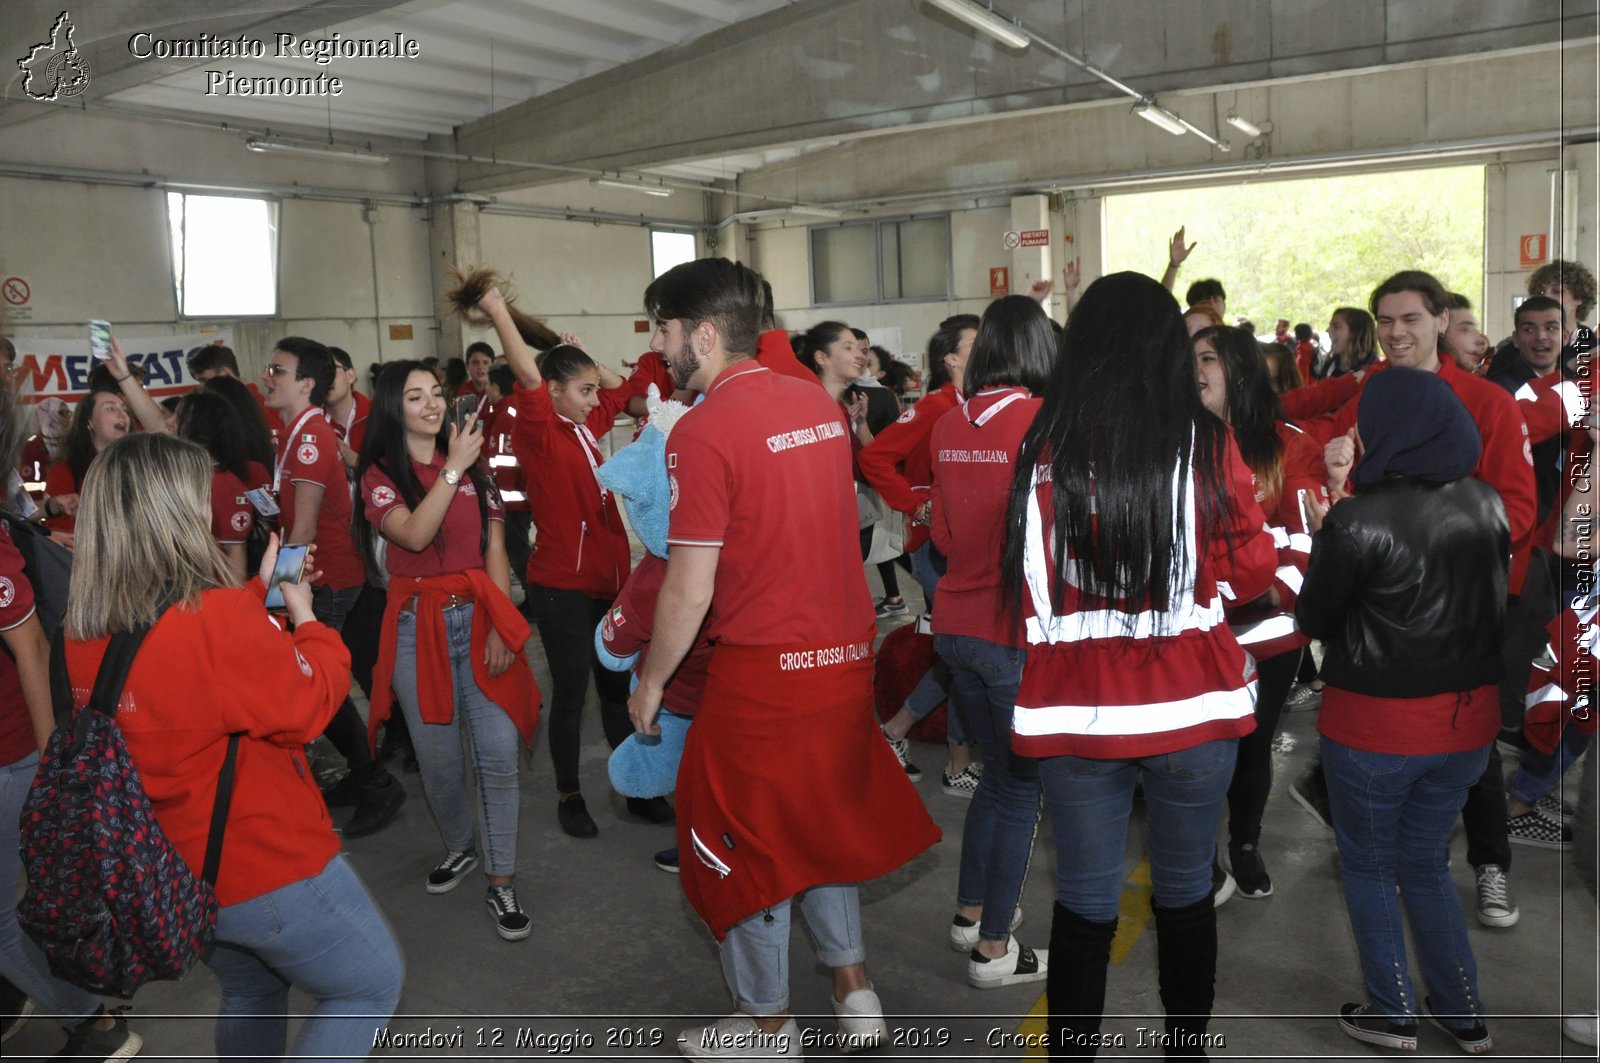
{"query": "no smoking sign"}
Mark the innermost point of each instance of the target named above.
(15, 291)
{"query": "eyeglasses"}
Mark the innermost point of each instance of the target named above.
(274, 369)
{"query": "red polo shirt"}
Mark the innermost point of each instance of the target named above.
(458, 545)
(737, 463)
(16, 605)
(309, 454)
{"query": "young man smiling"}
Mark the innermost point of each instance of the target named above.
(308, 477)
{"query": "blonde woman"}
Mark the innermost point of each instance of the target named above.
(292, 911)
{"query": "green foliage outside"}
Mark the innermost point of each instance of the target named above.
(1298, 249)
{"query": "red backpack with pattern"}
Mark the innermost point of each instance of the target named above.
(109, 900)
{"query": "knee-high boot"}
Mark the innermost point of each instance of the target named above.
(1076, 982)
(1186, 956)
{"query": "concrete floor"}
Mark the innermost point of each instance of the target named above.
(619, 963)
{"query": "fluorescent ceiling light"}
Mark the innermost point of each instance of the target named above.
(814, 212)
(985, 20)
(632, 186)
(279, 147)
(1160, 116)
(1243, 125)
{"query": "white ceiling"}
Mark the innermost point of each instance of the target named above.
(477, 57)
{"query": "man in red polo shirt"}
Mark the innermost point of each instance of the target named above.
(347, 408)
(308, 477)
(762, 503)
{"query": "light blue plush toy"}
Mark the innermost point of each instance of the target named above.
(645, 765)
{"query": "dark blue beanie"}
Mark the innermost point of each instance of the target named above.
(1413, 425)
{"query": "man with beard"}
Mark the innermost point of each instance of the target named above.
(761, 504)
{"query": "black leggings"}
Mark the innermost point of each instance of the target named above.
(1252, 774)
(566, 622)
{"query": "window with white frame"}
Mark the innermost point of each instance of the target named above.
(224, 255)
(883, 261)
(669, 248)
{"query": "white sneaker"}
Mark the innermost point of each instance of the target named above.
(1019, 964)
(861, 1024)
(964, 932)
(738, 1037)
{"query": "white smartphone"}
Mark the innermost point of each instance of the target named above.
(100, 339)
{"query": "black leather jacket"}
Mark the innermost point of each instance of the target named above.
(1407, 588)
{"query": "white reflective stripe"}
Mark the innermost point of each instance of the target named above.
(33, 485)
(707, 857)
(1280, 537)
(1135, 719)
(1526, 394)
(503, 461)
(1225, 589)
(1301, 542)
(1112, 623)
(1290, 577)
(1273, 627)
(1572, 399)
(513, 496)
(1548, 692)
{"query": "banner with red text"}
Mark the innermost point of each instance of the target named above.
(60, 368)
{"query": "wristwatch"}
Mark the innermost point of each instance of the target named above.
(451, 477)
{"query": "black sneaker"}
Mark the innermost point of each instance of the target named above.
(902, 753)
(86, 1041)
(1249, 871)
(380, 800)
(1222, 885)
(1310, 792)
(1474, 1040)
(1531, 828)
(667, 860)
(510, 921)
(451, 870)
(346, 793)
(1364, 1024)
(651, 809)
(573, 815)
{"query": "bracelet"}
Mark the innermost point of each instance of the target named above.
(120, 379)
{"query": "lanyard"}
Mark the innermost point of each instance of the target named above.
(289, 444)
(586, 440)
(988, 415)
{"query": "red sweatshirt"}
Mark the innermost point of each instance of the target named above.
(228, 667)
(1263, 629)
(898, 463)
(774, 351)
(581, 544)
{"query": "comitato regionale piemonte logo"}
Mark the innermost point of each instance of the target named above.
(55, 68)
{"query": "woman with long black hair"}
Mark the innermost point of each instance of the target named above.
(969, 448)
(1131, 523)
(1290, 477)
(452, 641)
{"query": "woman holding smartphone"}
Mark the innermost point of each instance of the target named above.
(291, 910)
(451, 648)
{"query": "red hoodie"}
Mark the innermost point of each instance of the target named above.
(898, 463)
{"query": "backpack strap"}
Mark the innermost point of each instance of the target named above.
(219, 811)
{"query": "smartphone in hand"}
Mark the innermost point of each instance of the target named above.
(290, 566)
(466, 406)
(100, 340)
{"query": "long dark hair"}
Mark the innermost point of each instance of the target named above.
(204, 417)
(1015, 345)
(252, 423)
(384, 447)
(1121, 414)
(1254, 409)
(80, 441)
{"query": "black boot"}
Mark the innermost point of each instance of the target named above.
(1186, 956)
(1076, 982)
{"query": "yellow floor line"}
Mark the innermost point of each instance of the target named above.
(1133, 912)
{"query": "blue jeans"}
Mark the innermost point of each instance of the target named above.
(1090, 801)
(493, 739)
(322, 935)
(21, 962)
(934, 686)
(1540, 773)
(1392, 817)
(755, 953)
(998, 838)
(924, 572)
